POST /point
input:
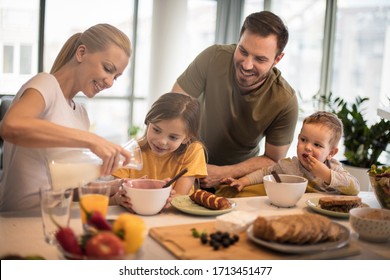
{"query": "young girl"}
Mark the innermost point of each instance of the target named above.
(170, 143)
(317, 144)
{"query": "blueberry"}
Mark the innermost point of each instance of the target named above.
(226, 242)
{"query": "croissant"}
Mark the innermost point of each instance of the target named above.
(209, 200)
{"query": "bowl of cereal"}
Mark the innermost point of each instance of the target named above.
(148, 197)
(371, 224)
(287, 192)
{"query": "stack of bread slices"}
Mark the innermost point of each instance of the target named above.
(296, 229)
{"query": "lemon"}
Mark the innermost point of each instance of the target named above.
(133, 230)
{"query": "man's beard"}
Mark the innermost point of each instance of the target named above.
(242, 82)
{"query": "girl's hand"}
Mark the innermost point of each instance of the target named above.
(169, 200)
(118, 194)
(120, 198)
(171, 194)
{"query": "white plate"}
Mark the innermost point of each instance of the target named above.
(186, 205)
(303, 249)
(313, 204)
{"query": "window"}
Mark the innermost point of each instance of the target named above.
(361, 64)
(252, 6)
(109, 110)
(359, 61)
(19, 31)
(8, 59)
(301, 64)
(25, 59)
(161, 58)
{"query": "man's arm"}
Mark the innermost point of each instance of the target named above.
(271, 155)
(177, 88)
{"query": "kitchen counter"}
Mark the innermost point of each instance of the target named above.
(21, 232)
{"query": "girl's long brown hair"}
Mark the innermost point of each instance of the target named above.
(176, 105)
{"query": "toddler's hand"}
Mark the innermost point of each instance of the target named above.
(235, 183)
(319, 169)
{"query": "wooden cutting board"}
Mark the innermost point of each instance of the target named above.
(179, 241)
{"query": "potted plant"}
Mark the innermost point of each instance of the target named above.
(363, 143)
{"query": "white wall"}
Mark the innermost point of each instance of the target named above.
(168, 45)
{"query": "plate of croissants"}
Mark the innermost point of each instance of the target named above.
(203, 203)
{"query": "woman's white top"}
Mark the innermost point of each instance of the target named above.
(26, 170)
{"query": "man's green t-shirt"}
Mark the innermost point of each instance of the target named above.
(233, 124)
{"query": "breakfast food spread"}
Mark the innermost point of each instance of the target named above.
(209, 200)
(339, 203)
(296, 229)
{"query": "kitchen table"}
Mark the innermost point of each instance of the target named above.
(21, 232)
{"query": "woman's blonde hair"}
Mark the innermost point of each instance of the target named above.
(96, 38)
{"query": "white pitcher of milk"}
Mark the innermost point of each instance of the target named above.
(70, 167)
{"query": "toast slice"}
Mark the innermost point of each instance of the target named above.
(339, 203)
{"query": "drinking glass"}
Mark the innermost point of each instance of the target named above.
(136, 156)
(94, 196)
(55, 209)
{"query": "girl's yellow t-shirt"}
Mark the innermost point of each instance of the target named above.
(167, 166)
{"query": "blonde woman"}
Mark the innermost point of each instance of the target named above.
(44, 113)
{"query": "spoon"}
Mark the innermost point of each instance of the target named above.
(181, 173)
(276, 176)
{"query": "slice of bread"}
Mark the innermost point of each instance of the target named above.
(296, 229)
(339, 203)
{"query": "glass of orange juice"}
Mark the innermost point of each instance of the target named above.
(94, 196)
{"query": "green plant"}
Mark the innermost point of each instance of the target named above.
(363, 144)
(134, 130)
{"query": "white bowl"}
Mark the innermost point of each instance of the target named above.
(370, 223)
(147, 195)
(288, 192)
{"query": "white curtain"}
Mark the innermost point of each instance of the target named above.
(229, 14)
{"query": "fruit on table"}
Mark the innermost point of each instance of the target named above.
(132, 228)
(96, 219)
(218, 239)
(126, 236)
(105, 245)
(68, 241)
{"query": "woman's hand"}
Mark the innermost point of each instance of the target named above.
(110, 153)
